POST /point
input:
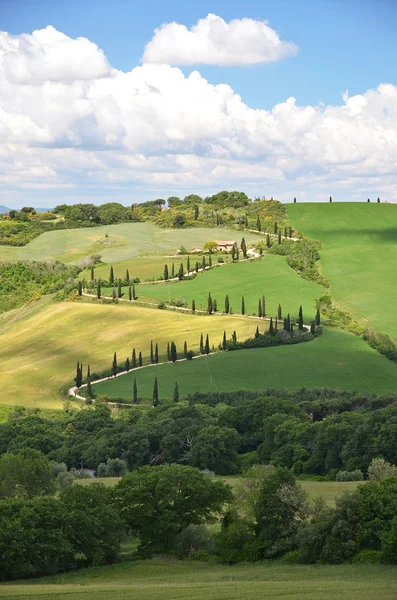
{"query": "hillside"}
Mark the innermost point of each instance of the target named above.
(358, 256)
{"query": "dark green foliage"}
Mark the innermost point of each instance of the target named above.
(114, 365)
(294, 199)
(173, 352)
(197, 267)
(318, 318)
(79, 375)
(275, 228)
(227, 304)
(268, 244)
(203, 264)
(25, 475)
(135, 392)
(173, 270)
(151, 353)
(207, 345)
(224, 341)
(196, 212)
(257, 332)
(133, 292)
(155, 396)
(92, 272)
(290, 231)
(181, 272)
(244, 248)
(215, 448)
(378, 201)
(127, 365)
(127, 277)
(166, 272)
(89, 391)
(140, 361)
(176, 392)
(185, 349)
(168, 351)
(258, 224)
(214, 305)
(259, 308)
(263, 311)
(98, 289)
(193, 306)
(133, 359)
(129, 293)
(312, 328)
(114, 295)
(279, 312)
(237, 542)
(209, 304)
(119, 291)
(382, 343)
(330, 198)
(242, 305)
(156, 353)
(300, 318)
(188, 265)
(79, 288)
(111, 276)
(271, 328)
(279, 237)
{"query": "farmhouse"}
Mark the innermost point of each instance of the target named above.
(225, 246)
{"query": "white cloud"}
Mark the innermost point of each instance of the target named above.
(155, 129)
(212, 41)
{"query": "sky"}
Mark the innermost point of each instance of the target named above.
(120, 101)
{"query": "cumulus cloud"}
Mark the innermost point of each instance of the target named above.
(155, 129)
(212, 41)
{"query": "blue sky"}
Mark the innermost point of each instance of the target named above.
(343, 45)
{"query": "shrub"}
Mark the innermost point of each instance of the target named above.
(178, 302)
(220, 260)
(356, 475)
(367, 557)
(290, 557)
(189, 354)
(161, 305)
(380, 469)
(238, 543)
(194, 539)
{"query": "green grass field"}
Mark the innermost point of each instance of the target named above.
(270, 276)
(336, 360)
(359, 256)
(178, 580)
(42, 342)
(125, 241)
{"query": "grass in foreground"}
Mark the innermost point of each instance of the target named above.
(271, 277)
(174, 580)
(41, 342)
(358, 256)
(336, 360)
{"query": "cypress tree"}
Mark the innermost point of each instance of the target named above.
(185, 349)
(197, 267)
(156, 353)
(268, 241)
(98, 289)
(263, 306)
(193, 306)
(291, 328)
(279, 312)
(312, 328)
(244, 248)
(290, 231)
(288, 323)
(259, 308)
(330, 198)
(114, 295)
(79, 288)
(89, 388)
(368, 200)
(233, 253)
(257, 332)
(135, 392)
(180, 272)
(318, 318)
(234, 337)
(209, 304)
(168, 351)
(127, 365)
(176, 392)
(119, 292)
(188, 265)
(111, 276)
(271, 328)
(237, 254)
(217, 220)
(378, 200)
(196, 212)
(155, 398)
(127, 277)
(165, 272)
(300, 318)
(227, 304)
(203, 265)
(224, 341)
(242, 305)
(92, 273)
(276, 325)
(294, 199)
(79, 375)
(214, 305)
(258, 224)
(285, 231)
(207, 345)
(151, 353)
(285, 324)
(201, 344)
(246, 221)
(210, 260)
(140, 361)
(275, 227)
(133, 292)
(174, 354)
(173, 270)
(114, 365)
(279, 237)
(129, 293)
(133, 360)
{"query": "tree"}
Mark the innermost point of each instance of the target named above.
(210, 260)
(135, 392)
(257, 332)
(111, 276)
(368, 200)
(244, 248)
(288, 323)
(197, 267)
(209, 304)
(156, 353)
(185, 349)
(258, 224)
(92, 273)
(263, 306)
(242, 305)
(176, 392)
(285, 231)
(207, 345)
(275, 228)
(193, 306)
(210, 246)
(98, 289)
(140, 361)
(279, 312)
(79, 374)
(234, 337)
(214, 305)
(381, 469)
(188, 265)
(159, 502)
(378, 200)
(89, 387)
(318, 318)
(215, 448)
(173, 270)
(312, 328)
(79, 288)
(155, 397)
(114, 295)
(114, 365)
(119, 292)
(260, 308)
(203, 264)
(129, 293)
(25, 475)
(279, 237)
(201, 344)
(290, 232)
(168, 351)
(165, 272)
(237, 255)
(180, 272)
(271, 328)
(268, 244)
(227, 304)
(294, 199)
(173, 352)
(127, 277)
(133, 292)
(233, 253)
(196, 212)
(179, 221)
(133, 359)
(224, 341)
(300, 318)
(330, 198)
(127, 365)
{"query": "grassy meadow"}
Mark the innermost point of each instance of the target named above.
(270, 276)
(358, 256)
(124, 242)
(336, 360)
(178, 580)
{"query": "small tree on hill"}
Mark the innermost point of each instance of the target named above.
(233, 253)
(114, 294)
(133, 359)
(242, 305)
(201, 344)
(114, 365)
(129, 293)
(224, 341)
(133, 292)
(279, 312)
(330, 198)
(203, 263)
(259, 308)
(180, 272)
(193, 306)
(244, 248)
(119, 292)
(227, 304)
(196, 212)
(127, 277)
(89, 387)
(111, 276)
(176, 392)
(140, 360)
(188, 265)
(79, 288)
(275, 229)
(127, 364)
(258, 224)
(268, 244)
(155, 397)
(98, 289)
(368, 200)
(318, 317)
(234, 337)
(92, 273)
(151, 353)
(263, 306)
(279, 237)
(197, 267)
(271, 328)
(156, 354)
(79, 374)
(209, 304)
(173, 352)
(290, 232)
(294, 199)
(214, 305)
(165, 272)
(168, 351)
(312, 327)
(185, 349)
(237, 254)
(135, 392)
(257, 332)
(300, 318)
(207, 345)
(173, 270)
(210, 260)
(378, 200)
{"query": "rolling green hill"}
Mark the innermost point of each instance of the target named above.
(336, 360)
(271, 277)
(359, 256)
